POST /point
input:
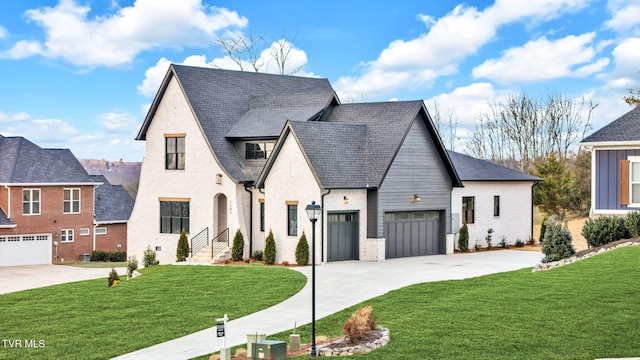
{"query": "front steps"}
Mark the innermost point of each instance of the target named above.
(204, 256)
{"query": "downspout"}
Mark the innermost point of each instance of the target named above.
(250, 219)
(95, 223)
(322, 227)
(8, 202)
(532, 205)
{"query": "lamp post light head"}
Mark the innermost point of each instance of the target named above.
(313, 211)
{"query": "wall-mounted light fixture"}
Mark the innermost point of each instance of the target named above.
(345, 200)
(218, 179)
(416, 198)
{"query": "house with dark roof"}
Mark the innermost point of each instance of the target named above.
(228, 150)
(615, 166)
(493, 197)
(47, 206)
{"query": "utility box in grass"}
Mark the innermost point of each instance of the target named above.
(269, 350)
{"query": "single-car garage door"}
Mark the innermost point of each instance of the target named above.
(16, 250)
(413, 233)
(343, 236)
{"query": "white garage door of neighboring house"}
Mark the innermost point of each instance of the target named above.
(16, 250)
(413, 233)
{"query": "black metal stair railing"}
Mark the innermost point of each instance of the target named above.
(199, 241)
(220, 242)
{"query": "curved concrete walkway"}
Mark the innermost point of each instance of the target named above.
(340, 285)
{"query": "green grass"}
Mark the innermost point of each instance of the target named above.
(586, 310)
(88, 320)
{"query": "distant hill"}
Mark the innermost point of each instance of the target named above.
(117, 172)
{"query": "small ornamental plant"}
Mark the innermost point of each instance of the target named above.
(132, 265)
(270, 249)
(302, 251)
(359, 325)
(182, 252)
(114, 278)
(237, 249)
(463, 241)
(149, 257)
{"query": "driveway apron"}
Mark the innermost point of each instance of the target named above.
(338, 286)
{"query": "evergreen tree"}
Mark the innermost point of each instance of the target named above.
(302, 251)
(463, 240)
(237, 250)
(183, 247)
(270, 249)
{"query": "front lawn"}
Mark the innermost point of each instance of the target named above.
(88, 320)
(586, 310)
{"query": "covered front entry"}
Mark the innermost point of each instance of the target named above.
(17, 250)
(342, 236)
(413, 233)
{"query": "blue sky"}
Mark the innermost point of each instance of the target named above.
(81, 74)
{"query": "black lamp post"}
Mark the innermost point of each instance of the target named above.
(313, 211)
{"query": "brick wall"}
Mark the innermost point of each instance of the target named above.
(116, 234)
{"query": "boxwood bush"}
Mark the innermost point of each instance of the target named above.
(109, 256)
(557, 244)
(605, 229)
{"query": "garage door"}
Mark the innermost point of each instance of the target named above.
(413, 233)
(343, 236)
(16, 250)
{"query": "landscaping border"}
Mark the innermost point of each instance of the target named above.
(587, 254)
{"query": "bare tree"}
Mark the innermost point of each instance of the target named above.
(448, 129)
(633, 98)
(521, 130)
(248, 52)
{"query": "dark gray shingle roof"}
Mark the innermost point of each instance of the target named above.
(335, 152)
(23, 162)
(221, 98)
(624, 128)
(4, 221)
(113, 202)
(472, 169)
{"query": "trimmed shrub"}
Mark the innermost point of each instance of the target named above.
(503, 242)
(463, 240)
(302, 251)
(257, 255)
(632, 221)
(359, 325)
(109, 256)
(519, 243)
(132, 265)
(149, 257)
(488, 238)
(557, 244)
(113, 277)
(270, 249)
(182, 252)
(604, 230)
(543, 228)
(237, 249)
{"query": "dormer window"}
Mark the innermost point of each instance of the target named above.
(258, 151)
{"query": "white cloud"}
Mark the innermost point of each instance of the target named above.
(153, 78)
(115, 40)
(119, 123)
(448, 41)
(3, 32)
(544, 59)
(465, 103)
(20, 116)
(626, 57)
(624, 17)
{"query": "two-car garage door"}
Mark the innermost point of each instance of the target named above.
(16, 250)
(413, 233)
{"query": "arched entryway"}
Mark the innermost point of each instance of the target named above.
(219, 214)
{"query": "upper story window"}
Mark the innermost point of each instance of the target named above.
(174, 153)
(257, 151)
(31, 202)
(71, 201)
(468, 209)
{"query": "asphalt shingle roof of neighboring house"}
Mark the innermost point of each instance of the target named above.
(4, 221)
(112, 202)
(625, 128)
(23, 162)
(472, 169)
(231, 104)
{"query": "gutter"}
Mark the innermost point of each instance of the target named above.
(322, 227)
(532, 187)
(95, 223)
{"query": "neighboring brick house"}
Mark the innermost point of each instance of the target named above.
(47, 205)
(113, 208)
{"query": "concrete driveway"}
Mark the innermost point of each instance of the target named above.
(18, 278)
(340, 285)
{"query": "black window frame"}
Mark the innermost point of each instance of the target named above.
(292, 220)
(258, 150)
(468, 209)
(496, 206)
(262, 216)
(174, 216)
(174, 152)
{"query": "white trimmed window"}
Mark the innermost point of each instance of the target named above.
(101, 231)
(630, 181)
(72, 201)
(30, 201)
(84, 232)
(66, 235)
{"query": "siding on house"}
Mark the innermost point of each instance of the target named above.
(416, 170)
(372, 213)
(607, 178)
